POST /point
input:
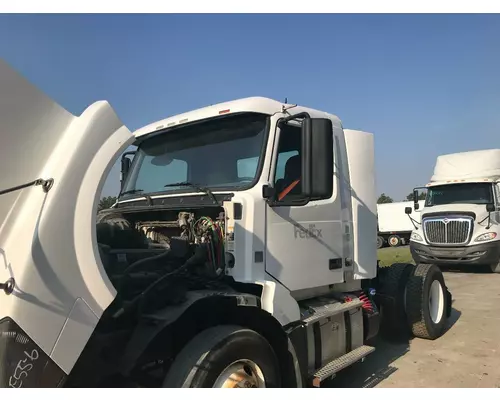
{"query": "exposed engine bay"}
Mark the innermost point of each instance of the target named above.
(160, 262)
(153, 258)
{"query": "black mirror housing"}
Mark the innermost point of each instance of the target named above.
(125, 167)
(490, 207)
(268, 192)
(408, 210)
(416, 206)
(317, 158)
(415, 198)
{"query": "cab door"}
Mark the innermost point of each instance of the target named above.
(305, 239)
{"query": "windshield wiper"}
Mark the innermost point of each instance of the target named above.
(196, 186)
(133, 191)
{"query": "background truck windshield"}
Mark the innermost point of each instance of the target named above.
(468, 193)
(221, 153)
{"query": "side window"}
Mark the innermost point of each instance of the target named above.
(288, 166)
(280, 165)
(497, 195)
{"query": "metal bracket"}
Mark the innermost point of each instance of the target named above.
(8, 286)
(46, 185)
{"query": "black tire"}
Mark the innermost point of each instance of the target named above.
(393, 281)
(495, 268)
(208, 354)
(418, 291)
(394, 241)
(380, 242)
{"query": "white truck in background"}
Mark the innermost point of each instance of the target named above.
(393, 225)
(460, 222)
(241, 251)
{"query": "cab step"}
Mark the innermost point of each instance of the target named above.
(340, 363)
(329, 310)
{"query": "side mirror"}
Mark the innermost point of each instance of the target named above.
(268, 192)
(415, 199)
(125, 167)
(317, 158)
(408, 210)
(490, 207)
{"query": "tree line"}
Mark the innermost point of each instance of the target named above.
(106, 202)
(383, 198)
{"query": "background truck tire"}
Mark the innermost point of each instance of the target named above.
(495, 268)
(380, 242)
(393, 281)
(426, 302)
(204, 359)
(394, 241)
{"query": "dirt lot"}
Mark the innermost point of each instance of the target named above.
(467, 355)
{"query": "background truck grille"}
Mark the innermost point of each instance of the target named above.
(448, 230)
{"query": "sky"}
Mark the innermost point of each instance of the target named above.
(424, 85)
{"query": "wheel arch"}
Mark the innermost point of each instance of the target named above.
(168, 338)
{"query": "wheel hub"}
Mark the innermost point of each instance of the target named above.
(241, 374)
(436, 302)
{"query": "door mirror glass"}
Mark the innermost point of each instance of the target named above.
(317, 158)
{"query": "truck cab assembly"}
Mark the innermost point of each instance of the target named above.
(241, 252)
(460, 222)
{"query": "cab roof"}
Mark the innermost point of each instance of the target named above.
(260, 105)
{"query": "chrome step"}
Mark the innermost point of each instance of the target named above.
(339, 364)
(329, 310)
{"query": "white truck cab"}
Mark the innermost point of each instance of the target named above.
(460, 222)
(241, 251)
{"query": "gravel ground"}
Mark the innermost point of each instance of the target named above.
(466, 356)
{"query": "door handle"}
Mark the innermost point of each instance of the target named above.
(8, 286)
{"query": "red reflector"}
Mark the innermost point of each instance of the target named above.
(224, 111)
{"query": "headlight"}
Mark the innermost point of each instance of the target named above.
(486, 236)
(416, 236)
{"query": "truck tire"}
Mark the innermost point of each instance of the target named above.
(394, 241)
(393, 281)
(426, 302)
(495, 268)
(380, 242)
(225, 356)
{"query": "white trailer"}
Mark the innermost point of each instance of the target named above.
(394, 227)
(460, 219)
(241, 251)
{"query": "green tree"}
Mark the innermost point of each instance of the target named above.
(421, 196)
(106, 202)
(384, 199)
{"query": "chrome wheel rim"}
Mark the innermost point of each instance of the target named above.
(241, 374)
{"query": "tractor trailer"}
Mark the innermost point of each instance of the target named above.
(460, 220)
(241, 251)
(393, 225)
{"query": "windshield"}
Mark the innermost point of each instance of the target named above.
(220, 153)
(465, 193)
